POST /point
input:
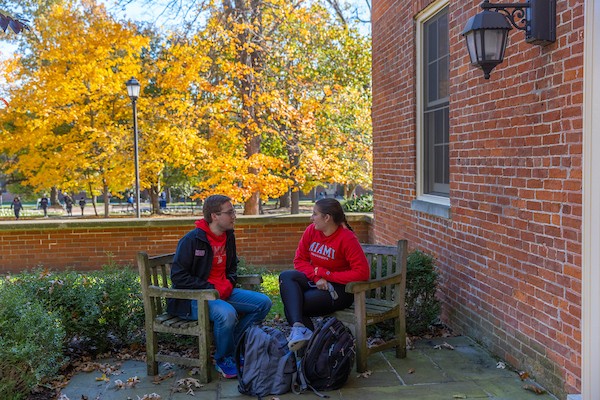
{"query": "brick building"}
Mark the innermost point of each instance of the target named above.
(489, 176)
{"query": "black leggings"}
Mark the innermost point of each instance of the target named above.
(301, 301)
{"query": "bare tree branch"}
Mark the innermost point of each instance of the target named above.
(338, 11)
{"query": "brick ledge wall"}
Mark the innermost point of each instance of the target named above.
(266, 240)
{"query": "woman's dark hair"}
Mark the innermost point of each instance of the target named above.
(213, 204)
(334, 208)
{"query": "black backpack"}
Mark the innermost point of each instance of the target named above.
(329, 356)
(265, 364)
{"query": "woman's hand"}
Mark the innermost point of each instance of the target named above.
(322, 284)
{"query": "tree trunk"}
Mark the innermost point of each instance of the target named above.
(295, 209)
(250, 13)
(153, 192)
(252, 205)
(54, 197)
(284, 200)
(93, 196)
(94, 200)
(106, 199)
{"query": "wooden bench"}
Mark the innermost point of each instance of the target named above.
(156, 288)
(377, 300)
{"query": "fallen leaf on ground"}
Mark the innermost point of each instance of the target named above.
(411, 371)
(119, 384)
(444, 345)
(188, 384)
(88, 367)
(374, 341)
(159, 378)
(168, 365)
(365, 374)
(534, 389)
(103, 378)
(131, 382)
(151, 396)
(523, 375)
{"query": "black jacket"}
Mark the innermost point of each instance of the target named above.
(192, 264)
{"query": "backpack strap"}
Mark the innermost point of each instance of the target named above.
(299, 383)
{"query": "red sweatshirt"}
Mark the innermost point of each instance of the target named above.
(339, 257)
(217, 274)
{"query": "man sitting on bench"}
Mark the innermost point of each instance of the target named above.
(206, 259)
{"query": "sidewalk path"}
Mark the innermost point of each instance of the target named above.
(427, 373)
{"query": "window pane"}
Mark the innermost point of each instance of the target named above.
(443, 72)
(439, 164)
(440, 137)
(431, 29)
(432, 83)
(442, 34)
(436, 131)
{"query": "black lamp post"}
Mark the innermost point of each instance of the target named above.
(486, 33)
(133, 90)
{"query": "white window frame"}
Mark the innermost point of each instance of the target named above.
(432, 204)
(590, 314)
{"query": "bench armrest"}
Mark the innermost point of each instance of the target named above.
(363, 286)
(190, 294)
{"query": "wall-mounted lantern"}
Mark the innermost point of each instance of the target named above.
(486, 33)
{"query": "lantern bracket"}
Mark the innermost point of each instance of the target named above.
(514, 12)
(536, 17)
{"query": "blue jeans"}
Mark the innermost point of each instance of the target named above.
(227, 329)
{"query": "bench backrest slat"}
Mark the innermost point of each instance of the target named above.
(158, 270)
(384, 261)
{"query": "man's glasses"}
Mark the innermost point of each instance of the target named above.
(231, 213)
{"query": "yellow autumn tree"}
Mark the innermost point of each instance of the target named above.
(230, 106)
(320, 120)
(67, 124)
(268, 96)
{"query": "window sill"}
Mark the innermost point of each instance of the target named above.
(433, 205)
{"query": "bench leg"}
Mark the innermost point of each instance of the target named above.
(400, 333)
(151, 350)
(204, 344)
(361, 348)
(360, 327)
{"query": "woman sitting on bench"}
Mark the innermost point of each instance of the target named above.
(328, 257)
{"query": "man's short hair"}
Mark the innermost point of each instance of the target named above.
(213, 204)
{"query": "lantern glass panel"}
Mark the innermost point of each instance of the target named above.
(494, 44)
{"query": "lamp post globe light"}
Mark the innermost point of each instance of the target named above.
(133, 90)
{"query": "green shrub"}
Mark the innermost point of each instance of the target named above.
(99, 308)
(269, 286)
(121, 306)
(422, 306)
(363, 203)
(31, 342)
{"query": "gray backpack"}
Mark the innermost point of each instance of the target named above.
(265, 365)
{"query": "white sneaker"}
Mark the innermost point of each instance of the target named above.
(298, 338)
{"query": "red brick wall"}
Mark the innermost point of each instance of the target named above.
(87, 245)
(510, 254)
